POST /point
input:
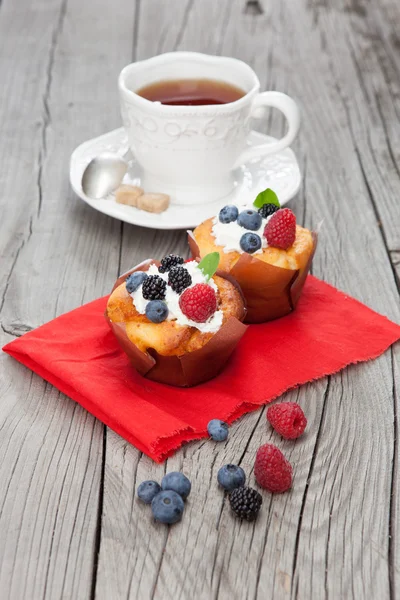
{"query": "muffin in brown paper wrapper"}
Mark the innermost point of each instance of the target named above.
(191, 368)
(270, 292)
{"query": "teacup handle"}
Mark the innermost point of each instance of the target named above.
(292, 114)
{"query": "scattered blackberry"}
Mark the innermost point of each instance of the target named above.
(154, 288)
(179, 278)
(267, 210)
(171, 260)
(245, 502)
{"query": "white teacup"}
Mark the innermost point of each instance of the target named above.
(190, 152)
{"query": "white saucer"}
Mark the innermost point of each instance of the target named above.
(280, 172)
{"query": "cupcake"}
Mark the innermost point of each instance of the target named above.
(178, 322)
(264, 249)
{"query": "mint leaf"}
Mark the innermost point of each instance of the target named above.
(268, 196)
(209, 264)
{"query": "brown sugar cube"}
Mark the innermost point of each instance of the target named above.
(128, 194)
(155, 203)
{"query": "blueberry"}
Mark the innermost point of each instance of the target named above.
(178, 482)
(231, 477)
(147, 490)
(250, 242)
(228, 214)
(156, 311)
(250, 219)
(217, 430)
(167, 507)
(134, 281)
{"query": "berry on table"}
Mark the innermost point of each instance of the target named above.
(280, 230)
(267, 210)
(147, 490)
(271, 469)
(177, 482)
(198, 303)
(249, 219)
(167, 507)
(179, 278)
(228, 214)
(217, 430)
(245, 502)
(288, 419)
(134, 281)
(156, 311)
(250, 242)
(231, 477)
(169, 261)
(154, 288)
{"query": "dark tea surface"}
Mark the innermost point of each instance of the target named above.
(191, 92)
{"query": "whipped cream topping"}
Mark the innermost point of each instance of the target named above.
(172, 300)
(228, 235)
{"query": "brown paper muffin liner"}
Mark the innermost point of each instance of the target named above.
(270, 292)
(189, 369)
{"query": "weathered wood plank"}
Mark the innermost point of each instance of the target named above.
(58, 65)
(328, 537)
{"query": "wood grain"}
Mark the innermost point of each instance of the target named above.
(55, 254)
(70, 523)
(293, 551)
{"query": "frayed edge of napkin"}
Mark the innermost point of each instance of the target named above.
(165, 446)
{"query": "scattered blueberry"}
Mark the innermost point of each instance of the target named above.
(250, 219)
(156, 311)
(231, 477)
(250, 242)
(178, 482)
(167, 507)
(147, 490)
(228, 214)
(134, 281)
(217, 430)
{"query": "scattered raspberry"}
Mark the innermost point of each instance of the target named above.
(271, 469)
(280, 230)
(198, 303)
(287, 418)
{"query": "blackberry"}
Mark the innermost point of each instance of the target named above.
(171, 260)
(267, 210)
(245, 502)
(154, 288)
(179, 278)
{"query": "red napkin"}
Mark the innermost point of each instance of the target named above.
(79, 355)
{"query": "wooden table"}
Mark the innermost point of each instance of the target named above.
(70, 525)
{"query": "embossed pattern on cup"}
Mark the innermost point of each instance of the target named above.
(189, 152)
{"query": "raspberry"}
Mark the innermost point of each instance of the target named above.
(287, 419)
(179, 278)
(154, 288)
(280, 230)
(198, 303)
(267, 210)
(245, 502)
(271, 469)
(171, 260)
